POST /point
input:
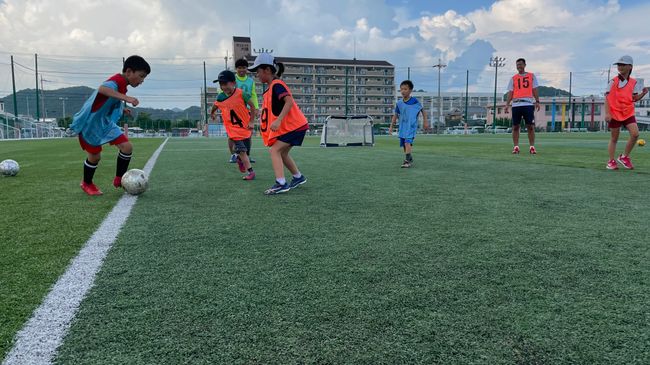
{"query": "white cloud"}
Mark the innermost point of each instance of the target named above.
(448, 32)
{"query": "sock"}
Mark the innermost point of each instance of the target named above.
(123, 160)
(281, 180)
(409, 157)
(297, 175)
(89, 171)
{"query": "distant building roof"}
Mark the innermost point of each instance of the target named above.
(241, 39)
(329, 61)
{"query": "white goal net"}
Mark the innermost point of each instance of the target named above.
(339, 131)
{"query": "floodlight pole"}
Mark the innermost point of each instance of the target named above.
(496, 62)
(38, 110)
(440, 65)
(466, 94)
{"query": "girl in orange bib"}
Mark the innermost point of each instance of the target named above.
(282, 124)
(621, 94)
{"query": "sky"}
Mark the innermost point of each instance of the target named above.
(82, 43)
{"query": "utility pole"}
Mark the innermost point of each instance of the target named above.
(571, 101)
(205, 93)
(226, 59)
(496, 62)
(13, 83)
(466, 94)
(63, 101)
(439, 66)
(38, 111)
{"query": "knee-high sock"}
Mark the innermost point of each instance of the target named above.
(89, 171)
(123, 160)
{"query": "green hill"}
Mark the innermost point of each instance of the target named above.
(75, 98)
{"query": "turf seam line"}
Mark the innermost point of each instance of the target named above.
(39, 339)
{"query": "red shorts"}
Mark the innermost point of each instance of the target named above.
(97, 149)
(619, 124)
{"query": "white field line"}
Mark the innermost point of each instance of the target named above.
(38, 341)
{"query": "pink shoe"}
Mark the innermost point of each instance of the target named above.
(240, 163)
(611, 165)
(532, 150)
(626, 162)
(117, 182)
(249, 176)
(515, 151)
(90, 189)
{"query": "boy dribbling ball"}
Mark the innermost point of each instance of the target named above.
(97, 122)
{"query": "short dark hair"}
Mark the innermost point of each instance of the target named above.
(136, 63)
(522, 60)
(241, 63)
(408, 83)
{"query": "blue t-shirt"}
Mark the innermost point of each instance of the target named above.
(407, 113)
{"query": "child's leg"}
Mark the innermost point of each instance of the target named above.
(123, 158)
(612, 142)
(289, 162)
(231, 146)
(408, 149)
(90, 165)
(633, 128)
(276, 160)
(243, 156)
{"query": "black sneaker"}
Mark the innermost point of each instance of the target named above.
(233, 158)
(296, 182)
(252, 160)
(277, 188)
(406, 164)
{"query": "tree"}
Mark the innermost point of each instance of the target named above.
(144, 121)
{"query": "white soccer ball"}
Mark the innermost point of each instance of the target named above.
(9, 168)
(135, 182)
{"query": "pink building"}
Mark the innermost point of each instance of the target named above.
(557, 113)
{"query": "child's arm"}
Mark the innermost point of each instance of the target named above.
(107, 91)
(253, 111)
(608, 115)
(425, 122)
(638, 97)
(212, 111)
(288, 103)
(392, 123)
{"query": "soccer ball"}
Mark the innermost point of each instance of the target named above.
(135, 182)
(9, 168)
(641, 142)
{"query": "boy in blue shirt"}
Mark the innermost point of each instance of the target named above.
(247, 85)
(96, 122)
(407, 111)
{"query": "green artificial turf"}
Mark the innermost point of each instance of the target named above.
(472, 256)
(45, 218)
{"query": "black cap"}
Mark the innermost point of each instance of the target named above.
(225, 76)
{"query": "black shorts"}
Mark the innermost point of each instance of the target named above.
(294, 138)
(243, 145)
(526, 112)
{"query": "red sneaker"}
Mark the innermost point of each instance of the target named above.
(249, 176)
(90, 189)
(532, 150)
(515, 151)
(626, 162)
(117, 182)
(240, 163)
(611, 165)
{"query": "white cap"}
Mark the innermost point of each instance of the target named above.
(624, 60)
(262, 59)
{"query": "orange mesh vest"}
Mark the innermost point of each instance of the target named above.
(293, 121)
(522, 86)
(235, 116)
(620, 100)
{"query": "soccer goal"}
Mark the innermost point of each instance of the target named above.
(340, 131)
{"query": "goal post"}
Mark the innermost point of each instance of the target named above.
(342, 131)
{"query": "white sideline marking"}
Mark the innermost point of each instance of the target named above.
(38, 341)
